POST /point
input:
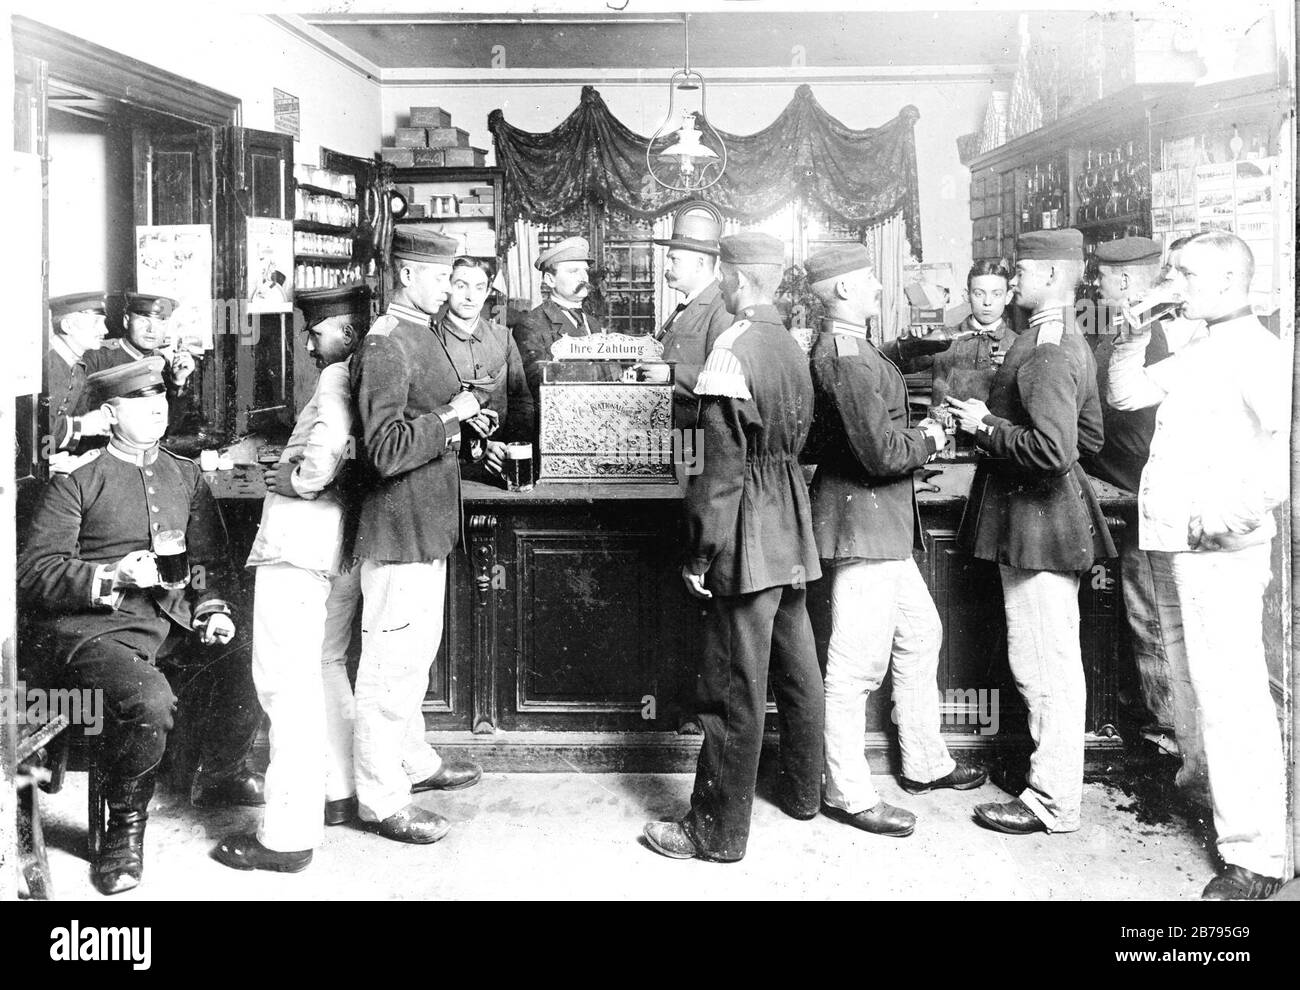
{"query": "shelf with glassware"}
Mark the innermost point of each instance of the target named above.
(327, 248)
(465, 202)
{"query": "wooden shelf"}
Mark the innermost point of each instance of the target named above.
(448, 218)
(1112, 221)
(312, 227)
(322, 191)
(338, 259)
(416, 174)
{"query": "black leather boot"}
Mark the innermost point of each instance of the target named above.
(120, 862)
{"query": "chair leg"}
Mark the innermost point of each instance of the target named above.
(31, 842)
(97, 814)
(56, 759)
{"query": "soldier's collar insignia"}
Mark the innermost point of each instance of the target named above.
(140, 458)
(830, 325)
(409, 313)
(1063, 314)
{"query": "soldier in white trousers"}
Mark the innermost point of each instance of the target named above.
(306, 597)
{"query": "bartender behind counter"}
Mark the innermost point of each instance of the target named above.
(564, 273)
(488, 362)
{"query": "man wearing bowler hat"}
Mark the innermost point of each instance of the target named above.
(750, 554)
(701, 315)
(410, 405)
(307, 592)
(102, 620)
(866, 523)
(1032, 511)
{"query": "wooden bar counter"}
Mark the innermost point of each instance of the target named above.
(570, 641)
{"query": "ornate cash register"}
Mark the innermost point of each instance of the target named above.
(606, 408)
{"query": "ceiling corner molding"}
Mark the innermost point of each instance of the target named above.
(327, 45)
(394, 78)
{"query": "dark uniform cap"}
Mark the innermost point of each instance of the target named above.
(424, 246)
(78, 302)
(838, 260)
(1129, 251)
(1065, 244)
(144, 304)
(321, 304)
(569, 249)
(126, 381)
(752, 248)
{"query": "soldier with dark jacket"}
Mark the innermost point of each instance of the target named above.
(751, 553)
(866, 523)
(76, 426)
(1033, 512)
(103, 621)
(411, 406)
(487, 359)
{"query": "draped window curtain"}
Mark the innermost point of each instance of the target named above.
(856, 177)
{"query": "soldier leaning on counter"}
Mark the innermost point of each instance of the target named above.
(306, 595)
(1032, 511)
(867, 525)
(411, 406)
(77, 426)
(101, 621)
(487, 360)
(751, 553)
(697, 321)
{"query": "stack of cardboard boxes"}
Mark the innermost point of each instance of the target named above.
(431, 141)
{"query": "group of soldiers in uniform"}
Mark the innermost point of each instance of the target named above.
(426, 396)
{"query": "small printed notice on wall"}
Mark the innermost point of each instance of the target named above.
(288, 119)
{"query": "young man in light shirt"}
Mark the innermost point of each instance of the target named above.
(1218, 468)
(306, 596)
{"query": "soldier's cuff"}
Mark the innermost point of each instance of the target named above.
(987, 431)
(101, 588)
(450, 424)
(301, 490)
(210, 607)
(71, 433)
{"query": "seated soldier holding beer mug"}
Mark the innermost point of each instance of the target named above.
(123, 571)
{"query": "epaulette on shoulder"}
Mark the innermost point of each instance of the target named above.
(846, 346)
(722, 373)
(1051, 333)
(66, 463)
(383, 326)
(730, 335)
